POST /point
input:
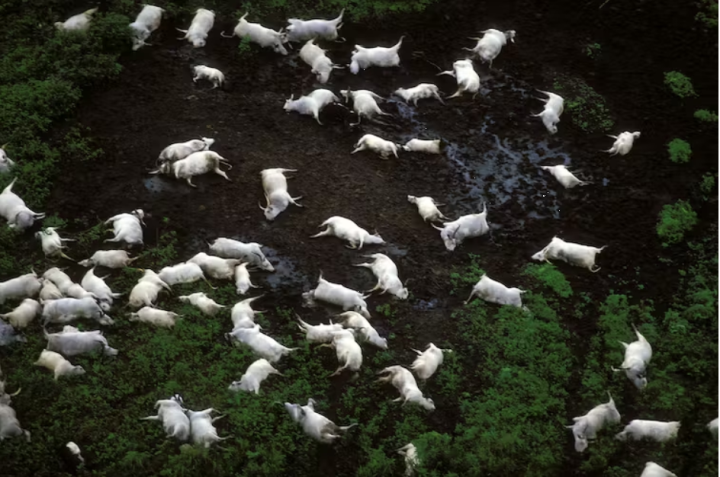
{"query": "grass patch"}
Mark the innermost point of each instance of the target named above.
(706, 116)
(679, 150)
(679, 84)
(587, 108)
(675, 221)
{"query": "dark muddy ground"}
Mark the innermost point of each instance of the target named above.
(495, 150)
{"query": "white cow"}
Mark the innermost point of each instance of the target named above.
(65, 310)
(654, 470)
(146, 291)
(5, 162)
(427, 208)
(49, 291)
(277, 197)
(254, 376)
(242, 279)
(315, 425)
(261, 344)
(155, 317)
(468, 226)
(9, 424)
(363, 58)
(214, 75)
(360, 324)
(654, 430)
(566, 178)
(364, 104)
(80, 22)
(467, 79)
(386, 273)
(405, 383)
(434, 146)
(346, 229)
(428, 361)
(146, 22)
(97, 286)
(421, 91)
(495, 292)
(623, 143)
(490, 45)
(206, 304)
(550, 115)
(202, 429)
(108, 259)
(196, 164)
(181, 150)
(713, 426)
(216, 267)
(52, 243)
(173, 418)
(409, 452)
(23, 314)
(301, 30)
(186, 272)
(338, 295)
(312, 104)
(127, 227)
(248, 252)
(24, 286)
(14, 210)
(318, 333)
(377, 145)
(586, 427)
(71, 342)
(242, 314)
(637, 357)
(58, 365)
(316, 58)
(265, 37)
(349, 353)
(66, 286)
(201, 25)
(572, 253)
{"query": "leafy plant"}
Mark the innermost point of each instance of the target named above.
(707, 185)
(706, 116)
(679, 84)
(592, 49)
(708, 14)
(588, 109)
(679, 150)
(675, 221)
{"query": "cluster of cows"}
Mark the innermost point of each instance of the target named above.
(62, 301)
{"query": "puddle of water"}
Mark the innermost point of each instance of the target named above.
(159, 185)
(393, 250)
(423, 305)
(286, 273)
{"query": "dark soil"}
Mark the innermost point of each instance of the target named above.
(499, 149)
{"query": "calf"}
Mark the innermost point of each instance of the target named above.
(586, 427)
(97, 286)
(318, 333)
(51, 243)
(277, 197)
(572, 253)
(65, 310)
(126, 227)
(363, 58)
(71, 342)
(23, 314)
(434, 146)
(654, 470)
(216, 267)
(654, 430)
(427, 208)
(186, 272)
(564, 177)
(316, 58)
(108, 259)
(254, 376)
(199, 28)
(146, 22)
(301, 30)
(713, 426)
(495, 292)
(14, 210)
(242, 279)
(346, 229)
(24, 286)
(360, 324)
(364, 104)
(421, 91)
(377, 145)
(428, 361)
(196, 164)
(387, 274)
(248, 252)
(214, 75)
(261, 344)
(202, 429)
(490, 45)
(58, 365)
(637, 357)
(315, 425)
(409, 452)
(181, 150)
(5, 162)
(9, 424)
(551, 113)
(242, 314)
(467, 79)
(338, 295)
(468, 226)
(265, 37)
(80, 22)
(155, 317)
(348, 352)
(49, 291)
(173, 418)
(312, 104)
(206, 304)
(623, 143)
(146, 291)
(404, 382)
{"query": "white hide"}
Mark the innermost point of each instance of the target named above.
(277, 197)
(127, 227)
(349, 353)
(248, 252)
(409, 452)
(147, 21)
(377, 145)
(186, 272)
(653, 430)
(623, 143)
(196, 164)
(301, 30)
(75, 451)
(49, 291)
(201, 25)
(72, 342)
(338, 295)
(713, 426)
(468, 226)
(316, 58)
(564, 176)
(181, 150)
(65, 310)
(495, 292)
(108, 259)
(490, 45)
(364, 104)
(97, 286)
(173, 418)
(14, 210)
(637, 357)
(24, 286)
(23, 314)
(254, 376)
(265, 37)
(426, 146)
(242, 314)
(214, 75)
(60, 279)
(216, 267)
(466, 77)
(146, 291)
(363, 58)
(386, 273)
(318, 333)
(362, 327)
(58, 365)
(428, 361)
(5, 162)
(155, 317)
(201, 428)
(312, 104)
(406, 385)
(346, 229)
(206, 304)
(242, 279)
(550, 115)
(261, 344)
(421, 91)
(427, 208)
(572, 253)
(654, 470)
(9, 424)
(80, 22)
(52, 243)
(315, 425)
(586, 427)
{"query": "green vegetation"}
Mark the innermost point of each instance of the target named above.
(706, 116)
(707, 185)
(708, 14)
(592, 50)
(679, 84)
(679, 150)
(354, 10)
(675, 221)
(587, 108)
